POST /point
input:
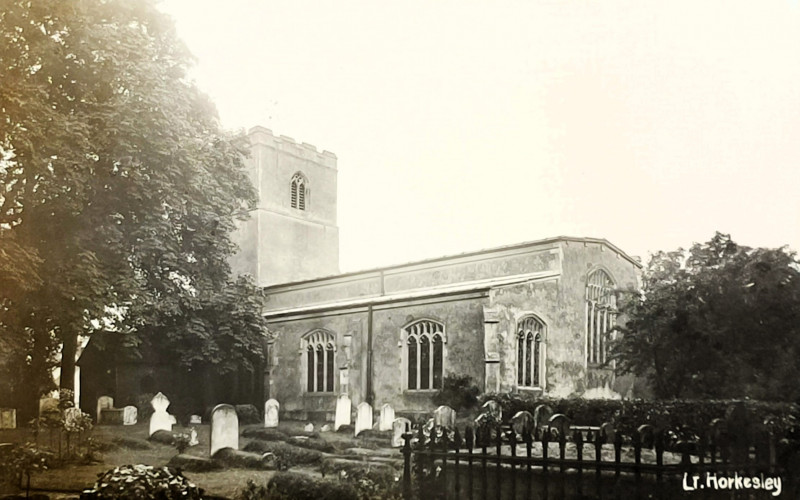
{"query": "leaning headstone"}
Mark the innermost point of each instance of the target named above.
(309, 427)
(224, 428)
(130, 415)
(271, 408)
(444, 416)
(399, 427)
(522, 423)
(104, 403)
(8, 418)
(541, 417)
(160, 420)
(343, 409)
(387, 417)
(195, 420)
(559, 424)
(363, 417)
(493, 409)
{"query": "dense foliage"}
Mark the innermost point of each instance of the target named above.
(120, 192)
(458, 392)
(720, 320)
(129, 482)
(293, 486)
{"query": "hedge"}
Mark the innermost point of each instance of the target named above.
(293, 486)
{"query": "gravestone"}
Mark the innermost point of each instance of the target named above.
(363, 417)
(522, 423)
(493, 409)
(387, 417)
(559, 426)
(193, 437)
(325, 428)
(195, 420)
(224, 428)
(541, 417)
(130, 415)
(444, 416)
(103, 403)
(160, 420)
(399, 427)
(8, 418)
(271, 408)
(343, 409)
(309, 427)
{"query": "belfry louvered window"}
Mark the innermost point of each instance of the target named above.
(601, 315)
(319, 347)
(530, 338)
(425, 348)
(298, 191)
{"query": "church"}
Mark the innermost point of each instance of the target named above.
(529, 318)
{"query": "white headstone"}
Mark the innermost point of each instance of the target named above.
(309, 427)
(173, 420)
(343, 409)
(104, 403)
(387, 417)
(444, 416)
(224, 428)
(325, 428)
(130, 415)
(195, 419)
(193, 437)
(160, 420)
(271, 408)
(363, 417)
(8, 418)
(399, 427)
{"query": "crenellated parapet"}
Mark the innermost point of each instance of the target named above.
(287, 145)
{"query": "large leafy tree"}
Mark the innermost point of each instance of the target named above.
(119, 190)
(717, 320)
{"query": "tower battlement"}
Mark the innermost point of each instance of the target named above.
(264, 136)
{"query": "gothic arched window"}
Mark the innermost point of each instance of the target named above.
(601, 315)
(530, 336)
(319, 347)
(425, 354)
(298, 191)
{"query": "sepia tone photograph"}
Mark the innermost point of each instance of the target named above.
(300, 250)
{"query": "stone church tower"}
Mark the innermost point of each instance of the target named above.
(292, 234)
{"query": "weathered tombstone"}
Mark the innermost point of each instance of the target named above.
(271, 408)
(608, 432)
(387, 417)
(522, 423)
(8, 418)
(399, 427)
(444, 416)
(104, 403)
(559, 424)
(130, 415)
(343, 409)
(493, 409)
(541, 417)
(325, 428)
(309, 427)
(224, 428)
(193, 437)
(363, 417)
(195, 420)
(160, 420)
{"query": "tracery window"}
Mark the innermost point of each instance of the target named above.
(530, 338)
(298, 191)
(601, 315)
(425, 354)
(319, 347)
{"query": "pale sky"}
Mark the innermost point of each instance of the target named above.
(462, 125)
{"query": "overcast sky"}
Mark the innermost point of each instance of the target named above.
(462, 125)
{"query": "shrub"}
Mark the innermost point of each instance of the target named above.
(292, 486)
(247, 414)
(144, 407)
(251, 491)
(286, 454)
(458, 392)
(373, 481)
(137, 482)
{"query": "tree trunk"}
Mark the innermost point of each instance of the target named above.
(69, 350)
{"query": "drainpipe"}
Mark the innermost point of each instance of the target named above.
(370, 396)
